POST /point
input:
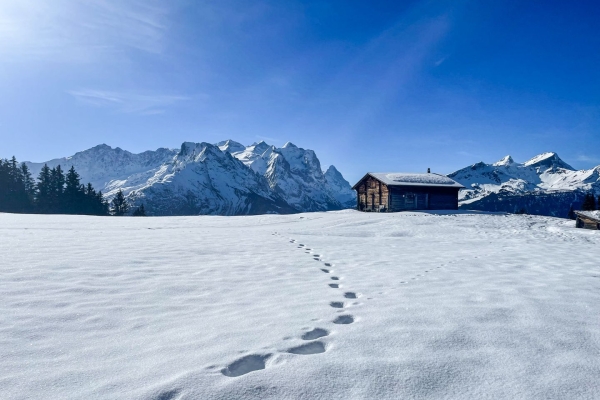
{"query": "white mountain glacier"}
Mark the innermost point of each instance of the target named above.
(223, 179)
(543, 185)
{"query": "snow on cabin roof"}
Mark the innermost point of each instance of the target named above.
(410, 179)
(595, 215)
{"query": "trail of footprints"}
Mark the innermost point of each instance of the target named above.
(256, 362)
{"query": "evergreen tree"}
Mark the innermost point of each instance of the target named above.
(28, 181)
(15, 187)
(74, 195)
(57, 187)
(119, 205)
(589, 202)
(43, 189)
(139, 212)
(571, 214)
(101, 204)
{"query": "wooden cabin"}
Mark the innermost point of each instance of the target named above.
(391, 192)
(588, 219)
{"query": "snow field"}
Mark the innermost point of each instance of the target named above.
(426, 306)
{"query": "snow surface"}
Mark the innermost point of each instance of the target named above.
(592, 214)
(399, 178)
(428, 306)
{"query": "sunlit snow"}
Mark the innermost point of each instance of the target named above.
(338, 305)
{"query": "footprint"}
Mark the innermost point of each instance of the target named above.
(350, 295)
(328, 264)
(316, 255)
(245, 365)
(300, 244)
(334, 285)
(335, 278)
(344, 319)
(337, 304)
(308, 348)
(168, 395)
(317, 259)
(315, 334)
(325, 270)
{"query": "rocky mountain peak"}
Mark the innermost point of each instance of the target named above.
(507, 160)
(548, 160)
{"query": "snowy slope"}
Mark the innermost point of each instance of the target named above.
(104, 167)
(201, 178)
(427, 306)
(545, 183)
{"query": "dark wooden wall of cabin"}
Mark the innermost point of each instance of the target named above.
(372, 195)
(587, 223)
(423, 198)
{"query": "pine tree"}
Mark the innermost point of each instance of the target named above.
(57, 187)
(571, 214)
(74, 193)
(28, 181)
(589, 202)
(102, 205)
(43, 189)
(139, 212)
(119, 205)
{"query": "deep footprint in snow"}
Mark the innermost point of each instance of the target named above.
(335, 278)
(344, 319)
(316, 255)
(325, 270)
(337, 304)
(168, 395)
(328, 264)
(315, 334)
(245, 365)
(308, 348)
(350, 295)
(334, 285)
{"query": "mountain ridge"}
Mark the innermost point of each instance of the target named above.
(545, 184)
(226, 178)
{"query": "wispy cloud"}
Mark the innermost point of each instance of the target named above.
(146, 104)
(66, 30)
(586, 158)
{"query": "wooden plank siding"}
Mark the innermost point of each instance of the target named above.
(374, 195)
(587, 222)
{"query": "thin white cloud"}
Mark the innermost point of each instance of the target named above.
(586, 158)
(146, 104)
(77, 30)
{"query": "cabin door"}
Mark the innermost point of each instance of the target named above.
(410, 201)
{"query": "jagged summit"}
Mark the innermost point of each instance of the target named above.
(510, 186)
(230, 146)
(507, 160)
(548, 159)
(288, 145)
(225, 178)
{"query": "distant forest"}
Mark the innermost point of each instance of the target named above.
(55, 192)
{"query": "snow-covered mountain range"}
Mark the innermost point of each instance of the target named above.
(544, 185)
(226, 178)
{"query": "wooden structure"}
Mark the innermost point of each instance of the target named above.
(588, 219)
(391, 192)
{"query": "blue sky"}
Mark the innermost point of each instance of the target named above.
(370, 86)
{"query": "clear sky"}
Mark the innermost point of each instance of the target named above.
(368, 85)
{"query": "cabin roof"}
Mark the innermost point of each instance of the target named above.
(413, 179)
(595, 215)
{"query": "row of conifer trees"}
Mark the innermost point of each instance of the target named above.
(55, 192)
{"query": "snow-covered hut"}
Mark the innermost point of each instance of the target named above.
(588, 219)
(396, 191)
